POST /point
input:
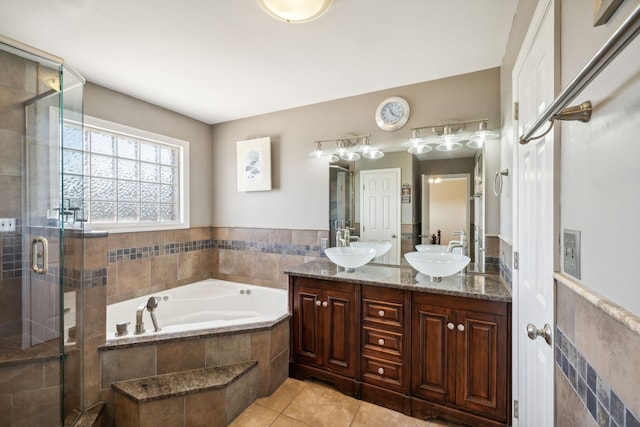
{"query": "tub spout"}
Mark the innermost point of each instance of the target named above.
(139, 323)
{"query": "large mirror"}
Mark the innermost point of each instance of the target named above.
(441, 195)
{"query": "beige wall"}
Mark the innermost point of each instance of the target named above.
(300, 195)
(113, 106)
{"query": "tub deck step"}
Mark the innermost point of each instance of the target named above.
(144, 401)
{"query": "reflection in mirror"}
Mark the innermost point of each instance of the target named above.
(420, 218)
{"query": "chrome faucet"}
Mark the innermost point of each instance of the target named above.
(462, 243)
(151, 305)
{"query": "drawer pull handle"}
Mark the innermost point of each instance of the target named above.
(450, 325)
(381, 341)
(381, 313)
(381, 371)
(460, 327)
(318, 303)
(324, 303)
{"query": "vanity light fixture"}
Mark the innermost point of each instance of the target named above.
(349, 148)
(449, 140)
(479, 137)
(295, 11)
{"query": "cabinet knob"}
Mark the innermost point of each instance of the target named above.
(381, 313)
(450, 325)
(381, 371)
(381, 341)
(324, 303)
(460, 327)
(318, 303)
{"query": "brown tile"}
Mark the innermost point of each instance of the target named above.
(609, 347)
(284, 421)
(255, 416)
(95, 253)
(305, 237)
(310, 406)
(283, 396)
(205, 409)
(260, 344)
(95, 311)
(227, 349)
(279, 338)
(200, 233)
(133, 275)
(127, 363)
(12, 109)
(21, 377)
(13, 70)
(181, 356)
(164, 271)
(240, 394)
(11, 159)
(120, 241)
(165, 412)
(283, 237)
(6, 409)
(37, 407)
(193, 266)
(11, 196)
(219, 233)
(570, 411)
(126, 412)
(148, 238)
(172, 236)
(279, 370)
(370, 415)
(565, 310)
(249, 234)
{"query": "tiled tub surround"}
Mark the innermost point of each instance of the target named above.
(597, 371)
(267, 345)
(505, 254)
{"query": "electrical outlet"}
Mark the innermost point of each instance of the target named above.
(571, 253)
(7, 224)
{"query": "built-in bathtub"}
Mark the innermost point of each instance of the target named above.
(207, 306)
(205, 324)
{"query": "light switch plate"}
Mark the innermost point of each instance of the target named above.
(571, 253)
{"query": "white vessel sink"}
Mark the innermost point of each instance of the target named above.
(350, 257)
(380, 247)
(437, 264)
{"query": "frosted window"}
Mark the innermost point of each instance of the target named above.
(122, 179)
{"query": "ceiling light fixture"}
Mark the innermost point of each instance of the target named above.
(295, 11)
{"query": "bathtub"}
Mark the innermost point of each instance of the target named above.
(210, 305)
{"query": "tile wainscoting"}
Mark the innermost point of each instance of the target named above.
(597, 371)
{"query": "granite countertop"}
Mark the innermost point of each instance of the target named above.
(479, 286)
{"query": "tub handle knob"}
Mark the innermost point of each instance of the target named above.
(324, 303)
(121, 328)
(318, 303)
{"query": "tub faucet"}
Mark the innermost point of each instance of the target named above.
(151, 305)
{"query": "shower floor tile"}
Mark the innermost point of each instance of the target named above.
(308, 403)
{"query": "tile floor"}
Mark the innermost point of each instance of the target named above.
(308, 403)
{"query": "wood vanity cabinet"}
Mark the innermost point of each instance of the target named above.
(460, 356)
(324, 335)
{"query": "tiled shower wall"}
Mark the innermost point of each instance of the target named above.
(597, 370)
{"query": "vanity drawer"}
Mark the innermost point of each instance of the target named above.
(383, 313)
(383, 341)
(381, 372)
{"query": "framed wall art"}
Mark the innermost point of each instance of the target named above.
(254, 164)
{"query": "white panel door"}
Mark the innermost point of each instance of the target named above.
(380, 209)
(534, 225)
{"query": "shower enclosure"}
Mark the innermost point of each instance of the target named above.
(41, 240)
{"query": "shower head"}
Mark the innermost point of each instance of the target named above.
(152, 303)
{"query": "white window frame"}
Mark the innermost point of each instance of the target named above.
(183, 187)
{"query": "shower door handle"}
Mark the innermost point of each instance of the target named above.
(45, 255)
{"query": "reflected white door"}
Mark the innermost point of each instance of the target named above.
(534, 233)
(380, 208)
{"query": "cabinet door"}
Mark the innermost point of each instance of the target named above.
(481, 375)
(341, 344)
(307, 333)
(433, 346)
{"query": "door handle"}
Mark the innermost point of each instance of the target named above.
(393, 236)
(45, 255)
(545, 332)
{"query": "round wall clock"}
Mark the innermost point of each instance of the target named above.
(392, 113)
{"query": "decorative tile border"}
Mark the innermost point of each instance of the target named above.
(270, 248)
(74, 278)
(505, 272)
(604, 405)
(127, 254)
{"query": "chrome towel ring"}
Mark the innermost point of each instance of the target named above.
(497, 181)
